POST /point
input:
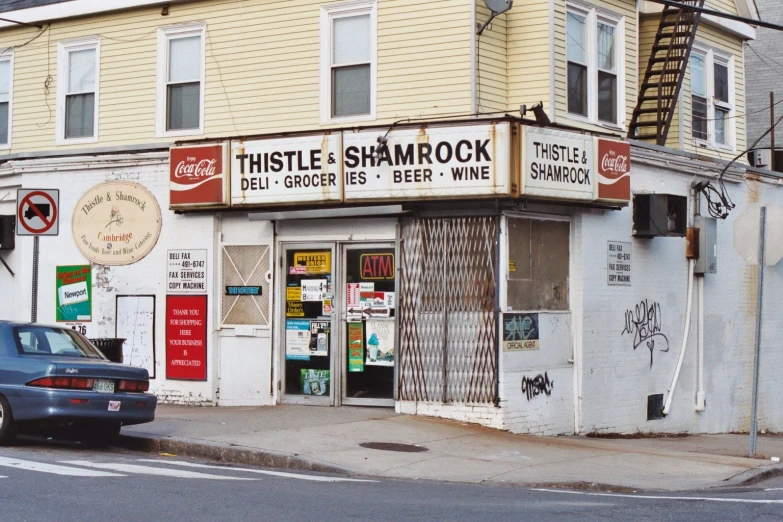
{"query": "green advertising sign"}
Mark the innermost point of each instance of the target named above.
(355, 347)
(74, 293)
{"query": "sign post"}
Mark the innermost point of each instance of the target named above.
(37, 215)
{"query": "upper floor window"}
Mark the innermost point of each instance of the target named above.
(6, 86)
(593, 55)
(348, 62)
(180, 81)
(77, 91)
(712, 97)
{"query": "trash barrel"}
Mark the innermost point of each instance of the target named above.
(110, 347)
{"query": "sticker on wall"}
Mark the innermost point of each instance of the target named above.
(373, 304)
(315, 382)
(618, 263)
(355, 347)
(327, 307)
(116, 223)
(73, 293)
(314, 289)
(380, 343)
(520, 332)
(187, 271)
(352, 295)
(297, 340)
(294, 309)
(312, 262)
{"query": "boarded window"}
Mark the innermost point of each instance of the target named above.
(538, 260)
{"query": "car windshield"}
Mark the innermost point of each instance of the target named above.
(44, 340)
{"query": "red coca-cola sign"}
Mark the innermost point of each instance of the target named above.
(614, 170)
(198, 176)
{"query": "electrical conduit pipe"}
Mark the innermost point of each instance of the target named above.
(686, 333)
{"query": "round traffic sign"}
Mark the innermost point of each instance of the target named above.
(23, 219)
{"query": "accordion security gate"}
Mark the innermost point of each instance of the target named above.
(447, 310)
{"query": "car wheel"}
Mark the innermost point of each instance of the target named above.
(7, 426)
(100, 435)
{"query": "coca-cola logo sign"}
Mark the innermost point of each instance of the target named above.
(612, 163)
(614, 170)
(197, 176)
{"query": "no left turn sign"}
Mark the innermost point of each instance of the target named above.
(38, 212)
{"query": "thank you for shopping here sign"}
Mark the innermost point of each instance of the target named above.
(431, 162)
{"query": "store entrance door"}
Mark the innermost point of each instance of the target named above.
(338, 323)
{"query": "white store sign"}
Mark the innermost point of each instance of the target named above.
(286, 170)
(618, 263)
(469, 160)
(187, 272)
(558, 164)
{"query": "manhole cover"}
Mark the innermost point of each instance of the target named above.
(393, 446)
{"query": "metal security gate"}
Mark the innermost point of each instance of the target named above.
(447, 310)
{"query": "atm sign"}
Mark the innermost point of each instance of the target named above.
(377, 266)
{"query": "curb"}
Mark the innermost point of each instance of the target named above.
(756, 475)
(225, 453)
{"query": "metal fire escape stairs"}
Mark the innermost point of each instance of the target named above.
(666, 68)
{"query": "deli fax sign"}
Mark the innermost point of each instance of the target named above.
(471, 160)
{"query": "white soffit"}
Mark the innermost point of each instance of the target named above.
(75, 8)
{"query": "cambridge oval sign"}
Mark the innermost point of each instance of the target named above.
(116, 223)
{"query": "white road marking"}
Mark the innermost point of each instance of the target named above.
(147, 470)
(30, 465)
(774, 489)
(314, 478)
(652, 497)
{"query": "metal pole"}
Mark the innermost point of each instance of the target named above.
(772, 135)
(759, 299)
(34, 307)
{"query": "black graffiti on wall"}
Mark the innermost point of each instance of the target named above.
(645, 324)
(538, 385)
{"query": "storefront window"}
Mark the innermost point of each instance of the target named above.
(538, 260)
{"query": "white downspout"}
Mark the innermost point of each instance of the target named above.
(700, 393)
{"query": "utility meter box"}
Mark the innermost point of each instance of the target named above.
(7, 227)
(707, 262)
(660, 215)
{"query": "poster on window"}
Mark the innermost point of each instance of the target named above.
(315, 382)
(379, 337)
(319, 338)
(297, 340)
(355, 347)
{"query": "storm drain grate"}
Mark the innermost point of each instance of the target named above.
(393, 446)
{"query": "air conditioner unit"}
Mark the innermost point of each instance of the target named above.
(7, 238)
(659, 215)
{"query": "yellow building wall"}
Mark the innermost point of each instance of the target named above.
(262, 68)
(624, 8)
(529, 55)
(492, 63)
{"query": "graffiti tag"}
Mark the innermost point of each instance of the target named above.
(644, 323)
(539, 385)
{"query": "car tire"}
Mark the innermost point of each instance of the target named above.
(7, 424)
(100, 435)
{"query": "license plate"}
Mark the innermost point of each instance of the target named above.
(103, 386)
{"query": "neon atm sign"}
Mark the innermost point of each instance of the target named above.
(377, 266)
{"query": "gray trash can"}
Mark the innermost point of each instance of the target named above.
(110, 347)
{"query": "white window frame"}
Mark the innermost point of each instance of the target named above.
(64, 48)
(592, 16)
(166, 34)
(328, 14)
(8, 56)
(711, 57)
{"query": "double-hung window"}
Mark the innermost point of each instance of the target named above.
(348, 61)
(593, 56)
(77, 91)
(6, 87)
(180, 81)
(712, 98)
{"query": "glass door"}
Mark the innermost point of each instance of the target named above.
(367, 317)
(308, 338)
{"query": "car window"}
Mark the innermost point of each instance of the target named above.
(44, 340)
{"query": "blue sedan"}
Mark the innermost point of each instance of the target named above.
(53, 380)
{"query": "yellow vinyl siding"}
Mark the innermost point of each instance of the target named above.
(624, 8)
(726, 6)
(492, 77)
(263, 68)
(529, 55)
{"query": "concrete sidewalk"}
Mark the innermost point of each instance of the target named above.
(328, 439)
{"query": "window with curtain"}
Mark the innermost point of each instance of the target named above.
(183, 83)
(80, 93)
(698, 97)
(351, 65)
(576, 54)
(607, 72)
(711, 97)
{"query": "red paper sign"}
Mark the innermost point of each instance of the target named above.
(614, 170)
(186, 337)
(197, 176)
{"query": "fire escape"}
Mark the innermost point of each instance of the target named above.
(660, 89)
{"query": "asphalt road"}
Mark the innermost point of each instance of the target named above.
(62, 481)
